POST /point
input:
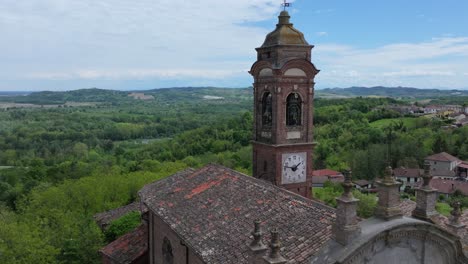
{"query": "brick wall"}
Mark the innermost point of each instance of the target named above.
(160, 230)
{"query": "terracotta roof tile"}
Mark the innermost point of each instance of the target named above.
(105, 218)
(323, 179)
(128, 247)
(213, 210)
(326, 172)
(448, 186)
(443, 156)
(411, 173)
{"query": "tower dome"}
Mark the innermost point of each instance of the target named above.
(285, 33)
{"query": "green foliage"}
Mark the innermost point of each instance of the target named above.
(366, 205)
(122, 225)
(330, 191)
(59, 166)
(443, 208)
(21, 242)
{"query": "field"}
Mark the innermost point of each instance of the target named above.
(408, 122)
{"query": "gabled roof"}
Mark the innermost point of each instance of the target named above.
(129, 247)
(213, 210)
(411, 173)
(361, 182)
(463, 165)
(326, 172)
(448, 186)
(105, 218)
(443, 156)
(323, 179)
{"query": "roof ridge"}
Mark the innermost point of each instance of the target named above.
(261, 183)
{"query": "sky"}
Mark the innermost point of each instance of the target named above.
(146, 44)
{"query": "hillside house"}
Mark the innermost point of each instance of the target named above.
(443, 162)
(408, 177)
(319, 177)
(362, 185)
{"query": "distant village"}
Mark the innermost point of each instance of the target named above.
(450, 176)
(458, 114)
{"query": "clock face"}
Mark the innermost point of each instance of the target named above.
(294, 167)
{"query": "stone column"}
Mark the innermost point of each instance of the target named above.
(346, 226)
(426, 197)
(454, 225)
(274, 257)
(257, 246)
(388, 206)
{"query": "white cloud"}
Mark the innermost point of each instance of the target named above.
(134, 74)
(209, 39)
(61, 39)
(439, 62)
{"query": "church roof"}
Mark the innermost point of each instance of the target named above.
(129, 247)
(213, 210)
(284, 34)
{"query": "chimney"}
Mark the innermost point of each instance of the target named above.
(426, 197)
(388, 206)
(454, 225)
(346, 227)
(257, 246)
(274, 257)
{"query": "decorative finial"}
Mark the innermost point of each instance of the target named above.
(285, 4)
(427, 177)
(257, 233)
(456, 212)
(348, 184)
(275, 244)
(274, 257)
(388, 177)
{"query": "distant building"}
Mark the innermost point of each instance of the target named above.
(408, 177)
(443, 161)
(448, 187)
(432, 109)
(362, 185)
(319, 177)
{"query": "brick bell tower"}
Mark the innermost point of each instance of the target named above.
(283, 109)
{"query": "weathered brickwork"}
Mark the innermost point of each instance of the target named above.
(283, 68)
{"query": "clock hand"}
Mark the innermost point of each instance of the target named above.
(297, 165)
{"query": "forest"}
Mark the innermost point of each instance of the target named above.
(61, 165)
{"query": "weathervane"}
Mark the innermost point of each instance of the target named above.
(285, 4)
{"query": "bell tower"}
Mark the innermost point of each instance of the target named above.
(283, 109)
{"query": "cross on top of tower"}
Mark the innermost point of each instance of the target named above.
(285, 4)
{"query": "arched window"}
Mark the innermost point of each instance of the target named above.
(168, 257)
(266, 109)
(293, 110)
